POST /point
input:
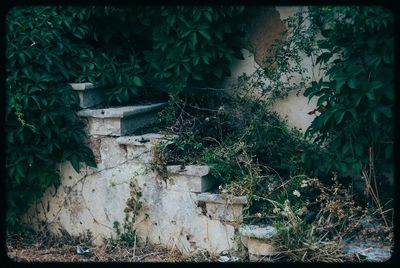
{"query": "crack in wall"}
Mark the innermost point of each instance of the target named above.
(70, 189)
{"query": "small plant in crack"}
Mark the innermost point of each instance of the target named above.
(158, 161)
(127, 234)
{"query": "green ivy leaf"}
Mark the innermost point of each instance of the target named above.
(341, 167)
(338, 85)
(90, 162)
(22, 58)
(339, 116)
(324, 57)
(374, 117)
(356, 167)
(197, 76)
(208, 16)
(205, 59)
(375, 85)
(322, 99)
(352, 83)
(370, 95)
(346, 149)
(194, 39)
(75, 162)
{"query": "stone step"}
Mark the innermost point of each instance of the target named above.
(190, 178)
(142, 140)
(223, 207)
(258, 240)
(89, 94)
(120, 121)
(138, 146)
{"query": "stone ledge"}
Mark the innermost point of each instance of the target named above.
(189, 179)
(140, 140)
(257, 239)
(120, 121)
(257, 231)
(121, 112)
(89, 94)
(82, 86)
(223, 207)
(221, 198)
(192, 170)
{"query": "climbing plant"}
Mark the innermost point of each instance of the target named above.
(355, 97)
(191, 44)
(165, 48)
(42, 128)
(131, 52)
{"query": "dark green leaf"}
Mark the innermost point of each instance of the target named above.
(208, 16)
(205, 34)
(388, 151)
(197, 76)
(386, 111)
(375, 85)
(339, 116)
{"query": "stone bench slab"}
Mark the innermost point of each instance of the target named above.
(120, 121)
(191, 170)
(89, 94)
(121, 112)
(82, 86)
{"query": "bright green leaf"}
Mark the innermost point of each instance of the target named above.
(137, 81)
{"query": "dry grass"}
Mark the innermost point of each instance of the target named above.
(47, 248)
(324, 238)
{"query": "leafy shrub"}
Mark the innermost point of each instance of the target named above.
(169, 47)
(237, 136)
(191, 44)
(42, 127)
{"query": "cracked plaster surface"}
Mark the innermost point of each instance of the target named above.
(96, 197)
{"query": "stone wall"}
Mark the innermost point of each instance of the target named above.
(170, 214)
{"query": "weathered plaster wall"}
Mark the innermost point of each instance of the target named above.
(267, 26)
(91, 199)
